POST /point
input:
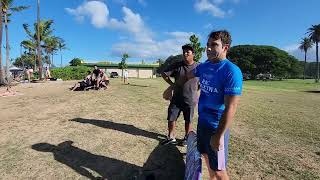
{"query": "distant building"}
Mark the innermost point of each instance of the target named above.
(134, 70)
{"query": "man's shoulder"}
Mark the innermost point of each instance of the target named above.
(231, 67)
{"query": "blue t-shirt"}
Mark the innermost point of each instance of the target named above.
(216, 81)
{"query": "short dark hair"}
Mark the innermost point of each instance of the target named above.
(224, 35)
(187, 47)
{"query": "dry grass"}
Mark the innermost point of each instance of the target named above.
(52, 133)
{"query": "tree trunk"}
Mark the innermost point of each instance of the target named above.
(304, 68)
(7, 46)
(38, 41)
(51, 60)
(35, 61)
(60, 58)
(1, 68)
(317, 57)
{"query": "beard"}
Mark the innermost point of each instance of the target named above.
(213, 55)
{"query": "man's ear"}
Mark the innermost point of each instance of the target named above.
(226, 47)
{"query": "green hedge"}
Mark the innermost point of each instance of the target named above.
(70, 72)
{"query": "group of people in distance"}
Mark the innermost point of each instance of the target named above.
(95, 80)
(220, 84)
(29, 73)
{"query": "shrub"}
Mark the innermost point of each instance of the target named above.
(70, 72)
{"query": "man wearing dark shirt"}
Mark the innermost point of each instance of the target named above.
(96, 77)
(184, 91)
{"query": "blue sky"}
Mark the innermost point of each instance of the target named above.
(149, 29)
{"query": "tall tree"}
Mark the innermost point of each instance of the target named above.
(198, 50)
(50, 46)
(7, 9)
(61, 46)
(305, 45)
(255, 59)
(314, 35)
(76, 62)
(44, 33)
(39, 40)
(123, 64)
(30, 45)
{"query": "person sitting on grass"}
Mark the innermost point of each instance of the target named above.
(104, 80)
(83, 85)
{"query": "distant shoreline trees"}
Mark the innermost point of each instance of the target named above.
(255, 59)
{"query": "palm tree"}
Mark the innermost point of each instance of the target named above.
(314, 35)
(50, 46)
(45, 32)
(7, 10)
(305, 45)
(61, 46)
(31, 47)
(39, 40)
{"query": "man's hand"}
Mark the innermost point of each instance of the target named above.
(167, 94)
(217, 142)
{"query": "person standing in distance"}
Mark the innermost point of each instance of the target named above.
(183, 92)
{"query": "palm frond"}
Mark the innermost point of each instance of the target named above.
(28, 44)
(26, 28)
(314, 33)
(19, 8)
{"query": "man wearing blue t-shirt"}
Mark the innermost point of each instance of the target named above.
(221, 87)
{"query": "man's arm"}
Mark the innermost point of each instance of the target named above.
(167, 79)
(231, 104)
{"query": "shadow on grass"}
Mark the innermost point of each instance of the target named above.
(165, 162)
(318, 153)
(130, 129)
(315, 91)
(82, 161)
(129, 84)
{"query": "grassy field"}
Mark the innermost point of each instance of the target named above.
(49, 132)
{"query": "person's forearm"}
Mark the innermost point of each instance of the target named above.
(226, 119)
(167, 79)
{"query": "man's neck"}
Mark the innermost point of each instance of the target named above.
(188, 62)
(217, 60)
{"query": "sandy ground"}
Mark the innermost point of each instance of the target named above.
(49, 132)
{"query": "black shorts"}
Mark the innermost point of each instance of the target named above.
(174, 111)
(217, 159)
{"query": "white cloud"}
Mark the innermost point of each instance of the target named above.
(208, 26)
(180, 35)
(142, 2)
(133, 24)
(213, 7)
(294, 50)
(218, 1)
(140, 42)
(154, 49)
(291, 47)
(125, 2)
(205, 5)
(97, 12)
